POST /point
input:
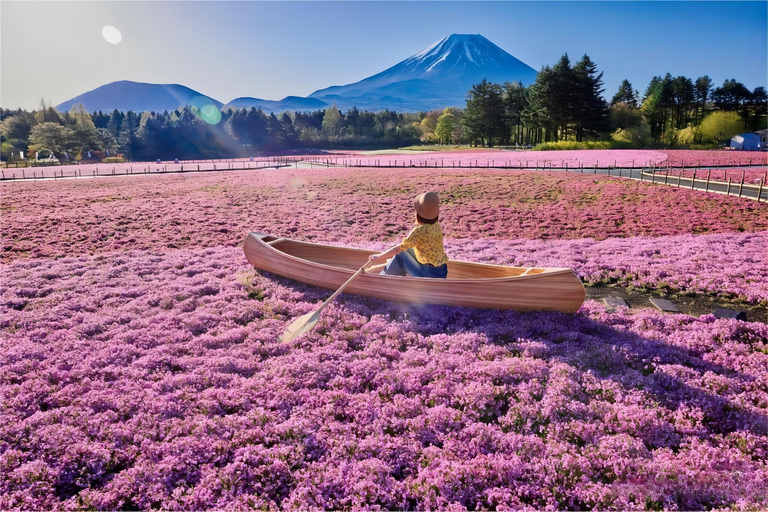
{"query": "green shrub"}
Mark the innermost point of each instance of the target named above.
(570, 145)
(719, 126)
(638, 136)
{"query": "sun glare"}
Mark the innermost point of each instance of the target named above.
(111, 34)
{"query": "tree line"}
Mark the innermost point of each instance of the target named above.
(565, 103)
(188, 133)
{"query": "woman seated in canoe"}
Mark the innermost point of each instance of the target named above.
(421, 253)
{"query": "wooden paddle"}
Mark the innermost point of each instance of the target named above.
(305, 323)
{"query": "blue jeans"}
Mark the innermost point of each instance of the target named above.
(405, 263)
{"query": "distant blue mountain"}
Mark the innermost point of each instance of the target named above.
(439, 76)
(288, 103)
(137, 96)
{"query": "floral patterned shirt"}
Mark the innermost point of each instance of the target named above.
(427, 243)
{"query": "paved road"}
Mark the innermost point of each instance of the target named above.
(734, 189)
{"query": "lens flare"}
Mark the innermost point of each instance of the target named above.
(205, 109)
(210, 114)
(111, 34)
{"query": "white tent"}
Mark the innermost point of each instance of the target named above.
(746, 141)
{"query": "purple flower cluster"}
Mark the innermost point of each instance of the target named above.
(144, 370)
(148, 379)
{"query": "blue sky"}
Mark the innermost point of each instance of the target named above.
(270, 50)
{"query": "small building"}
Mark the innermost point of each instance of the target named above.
(747, 142)
(763, 134)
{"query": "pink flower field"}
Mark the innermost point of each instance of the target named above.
(450, 159)
(340, 205)
(719, 158)
(140, 367)
(558, 159)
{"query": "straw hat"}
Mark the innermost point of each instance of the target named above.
(427, 205)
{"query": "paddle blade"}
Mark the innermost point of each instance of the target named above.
(303, 324)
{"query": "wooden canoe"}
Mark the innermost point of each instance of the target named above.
(476, 285)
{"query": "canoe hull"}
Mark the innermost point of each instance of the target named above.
(558, 290)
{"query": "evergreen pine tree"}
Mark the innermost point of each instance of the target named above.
(625, 94)
(591, 107)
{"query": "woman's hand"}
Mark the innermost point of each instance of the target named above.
(386, 254)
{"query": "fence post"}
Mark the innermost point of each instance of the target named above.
(709, 171)
(728, 189)
(741, 185)
(693, 180)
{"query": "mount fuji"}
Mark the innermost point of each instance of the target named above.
(436, 77)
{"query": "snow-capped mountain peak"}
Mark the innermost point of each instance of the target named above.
(439, 74)
(461, 50)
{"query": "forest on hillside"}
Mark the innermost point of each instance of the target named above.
(564, 108)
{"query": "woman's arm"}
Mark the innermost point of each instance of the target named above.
(387, 254)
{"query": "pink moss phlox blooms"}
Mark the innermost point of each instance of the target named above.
(148, 374)
(463, 158)
(49, 219)
(694, 157)
(147, 379)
